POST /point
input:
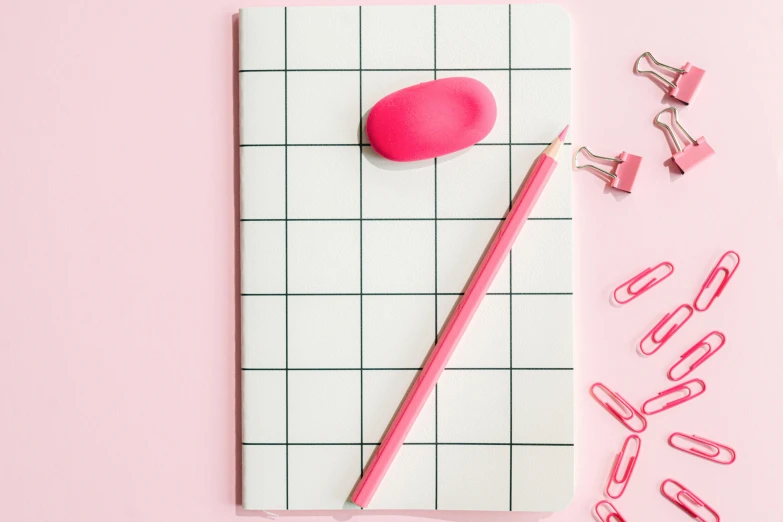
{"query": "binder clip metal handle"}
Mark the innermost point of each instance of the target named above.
(692, 153)
(649, 55)
(624, 173)
(675, 121)
(685, 84)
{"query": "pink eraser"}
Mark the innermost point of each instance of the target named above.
(431, 119)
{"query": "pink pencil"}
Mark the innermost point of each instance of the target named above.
(457, 324)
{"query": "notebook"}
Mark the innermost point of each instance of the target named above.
(351, 263)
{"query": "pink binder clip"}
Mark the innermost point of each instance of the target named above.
(625, 413)
(606, 512)
(703, 448)
(688, 501)
(628, 456)
(624, 173)
(725, 268)
(705, 348)
(694, 153)
(685, 84)
(683, 393)
(643, 281)
(654, 339)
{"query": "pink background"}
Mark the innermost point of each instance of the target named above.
(118, 342)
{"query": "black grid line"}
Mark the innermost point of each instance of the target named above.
(436, 444)
(435, 167)
(361, 268)
(408, 70)
(285, 138)
(317, 220)
(511, 287)
(294, 294)
(479, 144)
(402, 369)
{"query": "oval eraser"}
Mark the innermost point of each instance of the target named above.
(431, 119)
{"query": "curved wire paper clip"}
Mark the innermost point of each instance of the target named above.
(641, 282)
(685, 84)
(630, 418)
(706, 348)
(624, 173)
(692, 389)
(654, 339)
(688, 501)
(727, 271)
(617, 483)
(693, 153)
(606, 512)
(715, 452)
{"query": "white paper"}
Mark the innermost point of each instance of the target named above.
(351, 263)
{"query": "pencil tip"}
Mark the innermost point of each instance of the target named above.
(563, 134)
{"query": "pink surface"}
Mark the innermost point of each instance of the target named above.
(431, 119)
(118, 354)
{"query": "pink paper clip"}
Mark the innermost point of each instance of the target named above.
(727, 271)
(685, 84)
(606, 512)
(630, 418)
(643, 281)
(624, 173)
(694, 153)
(705, 348)
(653, 341)
(714, 452)
(617, 483)
(692, 389)
(688, 501)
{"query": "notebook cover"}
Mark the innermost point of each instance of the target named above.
(351, 263)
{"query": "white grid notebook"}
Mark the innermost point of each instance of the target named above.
(351, 263)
